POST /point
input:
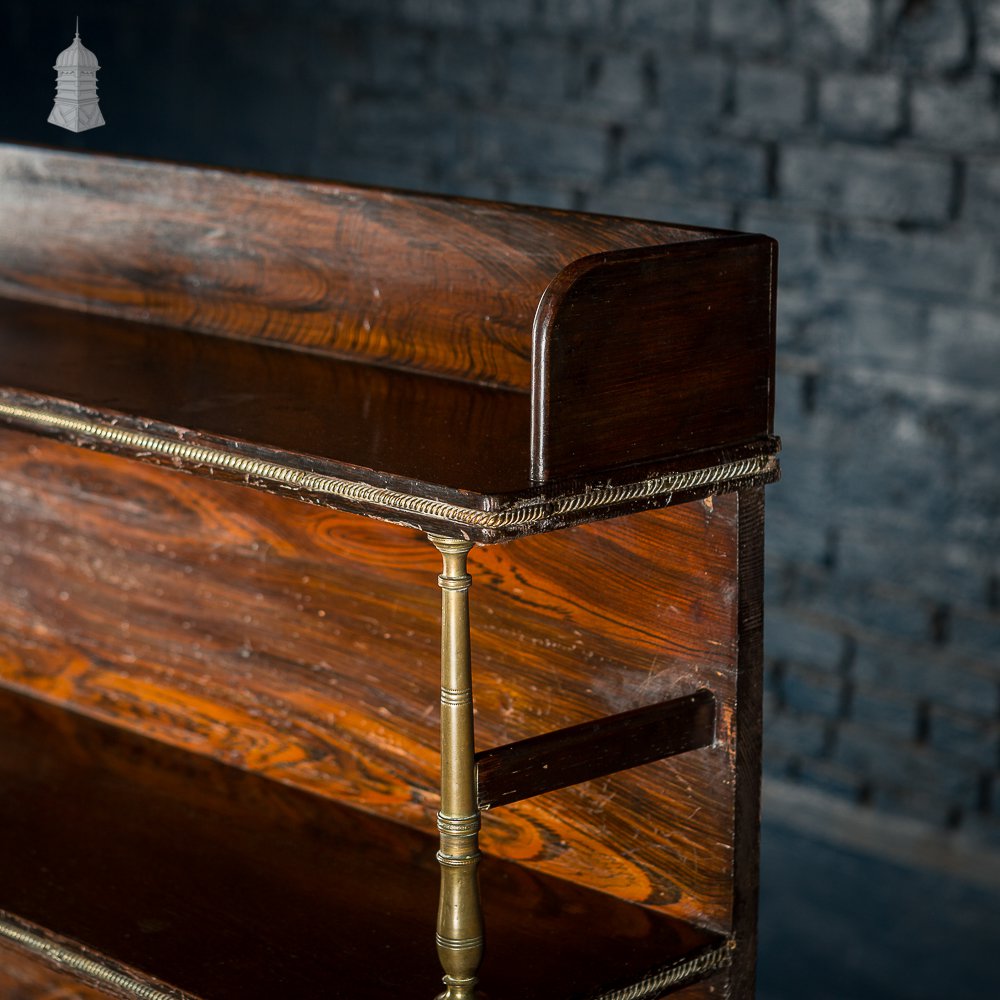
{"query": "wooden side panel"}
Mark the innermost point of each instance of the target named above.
(303, 644)
(646, 354)
(714, 988)
(23, 977)
(438, 284)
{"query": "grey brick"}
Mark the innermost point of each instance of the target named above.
(940, 678)
(895, 764)
(594, 14)
(964, 346)
(770, 98)
(791, 637)
(399, 62)
(693, 163)
(983, 831)
(466, 13)
(748, 25)
(867, 606)
(799, 242)
(644, 199)
(871, 330)
(831, 778)
(671, 23)
(868, 183)
(921, 803)
(464, 65)
(811, 691)
(537, 147)
(691, 90)
(837, 29)
(860, 255)
(537, 71)
(616, 79)
(965, 736)
(956, 115)
(538, 193)
(988, 37)
(437, 12)
(977, 635)
(793, 734)
(917, 471)
(378, 129)
(982, 193)
(898, 548)
(793, 538)
(931, 35)
(867, 106)
(885, 711)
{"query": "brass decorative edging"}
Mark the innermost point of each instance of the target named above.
(673, 975)
(63, 957)
(525, 514)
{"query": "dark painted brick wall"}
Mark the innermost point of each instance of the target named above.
(864, 134)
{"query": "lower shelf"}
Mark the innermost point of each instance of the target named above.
(230, 886)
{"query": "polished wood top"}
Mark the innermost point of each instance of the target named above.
(446, 364)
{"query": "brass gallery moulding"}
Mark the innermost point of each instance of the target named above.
(522, 515)
(80, 964)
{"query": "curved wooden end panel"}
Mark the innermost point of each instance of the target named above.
(613, 329)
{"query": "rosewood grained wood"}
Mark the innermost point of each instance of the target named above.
(218, 708)
(302, 643)
(23, 977)
(174, 862)
(655, 352)
(436, 284)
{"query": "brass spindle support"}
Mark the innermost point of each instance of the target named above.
(460, 919)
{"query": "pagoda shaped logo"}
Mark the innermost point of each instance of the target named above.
(76, 106)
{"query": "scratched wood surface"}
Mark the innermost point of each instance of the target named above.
(234, 887)
(439, 284)
(24, 977)
(303, 644)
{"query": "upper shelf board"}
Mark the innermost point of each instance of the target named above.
(445, 363)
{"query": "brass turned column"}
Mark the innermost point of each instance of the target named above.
(460, 919)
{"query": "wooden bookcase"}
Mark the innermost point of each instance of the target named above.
(222, 693)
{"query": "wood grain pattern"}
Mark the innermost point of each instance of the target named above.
(643, 354)
(233, 887)
(24, 977)
(435, 284)
(303, 644)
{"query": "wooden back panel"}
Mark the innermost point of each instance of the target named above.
(441, 285)
(303, 644)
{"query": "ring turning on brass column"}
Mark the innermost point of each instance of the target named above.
(460, 919)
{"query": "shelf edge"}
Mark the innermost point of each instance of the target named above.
(112, 432)
(89, 966)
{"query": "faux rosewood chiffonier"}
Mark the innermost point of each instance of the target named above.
(258, 737)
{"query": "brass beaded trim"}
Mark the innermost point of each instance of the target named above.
(528, 513)
(653, 985)
(69, 959)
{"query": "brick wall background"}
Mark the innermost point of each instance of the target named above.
(863, 134)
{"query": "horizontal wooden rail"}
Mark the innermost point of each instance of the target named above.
(605, 746)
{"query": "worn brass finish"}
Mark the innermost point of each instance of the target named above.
(89, 968)
(103, 433)
(460, 920)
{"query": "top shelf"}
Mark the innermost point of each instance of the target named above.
(454, 365)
